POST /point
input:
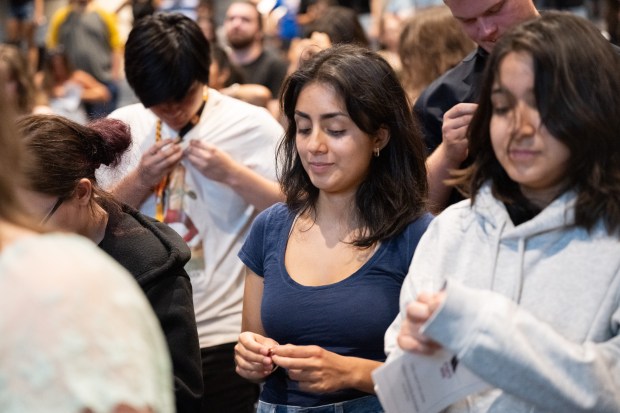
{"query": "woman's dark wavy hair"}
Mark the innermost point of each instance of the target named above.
(394, 192)
(165, 54)
(61, 152)
(577, 90)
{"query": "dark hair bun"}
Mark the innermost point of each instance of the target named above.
(115, 140)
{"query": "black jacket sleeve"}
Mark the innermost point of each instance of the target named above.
(171, 298)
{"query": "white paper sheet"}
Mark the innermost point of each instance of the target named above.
(424, 384)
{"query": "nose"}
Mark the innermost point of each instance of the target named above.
(525, 122)
(316, 142)
(487, 27)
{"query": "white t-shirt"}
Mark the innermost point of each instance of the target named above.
(249, 134)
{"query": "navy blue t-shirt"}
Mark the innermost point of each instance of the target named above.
(349, 317)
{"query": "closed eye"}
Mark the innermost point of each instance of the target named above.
(500, 110)
(336, 132)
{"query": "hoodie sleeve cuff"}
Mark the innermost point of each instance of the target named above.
(455, 323)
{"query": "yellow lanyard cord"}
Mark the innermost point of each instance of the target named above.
(160, 188)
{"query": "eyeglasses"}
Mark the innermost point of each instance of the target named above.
(57, 205)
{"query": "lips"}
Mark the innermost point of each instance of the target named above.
(522, 154)
(319, 167)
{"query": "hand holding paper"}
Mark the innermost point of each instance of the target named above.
(418, 312)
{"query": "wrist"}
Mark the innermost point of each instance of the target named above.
(141, 183)
(358, 374)
(232, 178)
(451, 157)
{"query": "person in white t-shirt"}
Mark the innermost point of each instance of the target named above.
(205, 164)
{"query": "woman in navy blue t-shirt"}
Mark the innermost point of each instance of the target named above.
(325, 269)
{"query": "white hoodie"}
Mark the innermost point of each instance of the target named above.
(532, 309)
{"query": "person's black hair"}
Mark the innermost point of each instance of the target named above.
(394, 192)
(577, 91)
(165, 54)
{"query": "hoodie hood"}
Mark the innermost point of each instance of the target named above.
(546, 228)
(492, 215)
(147, 248)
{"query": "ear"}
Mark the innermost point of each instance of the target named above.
(84, 191)
(381, 139)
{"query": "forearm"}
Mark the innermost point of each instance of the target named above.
(438, 167)
(359, 374)
(257, 95)
(254, 188)
(131, 190)
(95, 93)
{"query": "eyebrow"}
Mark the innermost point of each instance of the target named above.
(323, 116)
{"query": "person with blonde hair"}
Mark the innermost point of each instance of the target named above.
(431, 42)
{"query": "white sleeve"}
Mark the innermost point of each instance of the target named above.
(511, 349)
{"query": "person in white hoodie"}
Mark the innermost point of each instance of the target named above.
(522, 282)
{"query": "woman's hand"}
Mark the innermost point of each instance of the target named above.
(320, 371)
(418, 312)
(253, 356)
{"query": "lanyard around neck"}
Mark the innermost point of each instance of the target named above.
(160, 188)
